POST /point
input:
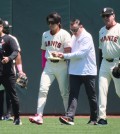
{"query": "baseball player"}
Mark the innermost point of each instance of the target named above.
(18, 60)
(8, 52)
(55, 39)
(109, 44)
(8, 116)
(82, 70)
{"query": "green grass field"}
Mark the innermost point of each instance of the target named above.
(53, 126)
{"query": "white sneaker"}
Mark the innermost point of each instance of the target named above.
(37, 119)
(8, 118)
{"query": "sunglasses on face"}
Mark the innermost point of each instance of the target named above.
(106, 15)
(75, 30)
(51, 22)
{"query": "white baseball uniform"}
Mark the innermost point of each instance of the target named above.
(109, 43)
(52, 70)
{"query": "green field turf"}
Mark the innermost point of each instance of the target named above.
(53, 126)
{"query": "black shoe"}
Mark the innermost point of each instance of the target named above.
(1, 118)
(90, 122)
(17, 121)
(66, 120)
(102, 122)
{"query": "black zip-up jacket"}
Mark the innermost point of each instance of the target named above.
(8, 48)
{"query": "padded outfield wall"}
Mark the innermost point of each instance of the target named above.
(28, 20)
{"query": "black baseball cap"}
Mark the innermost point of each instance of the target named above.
(107, 10)
(6, 24)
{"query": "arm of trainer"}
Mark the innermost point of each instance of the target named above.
(78, 54)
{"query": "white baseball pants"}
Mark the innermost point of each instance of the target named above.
(52, 71)
(105, 76)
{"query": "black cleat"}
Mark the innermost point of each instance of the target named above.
(17, 121)
(66, 120)
(90, 122)
(102, 122)
(1, 118)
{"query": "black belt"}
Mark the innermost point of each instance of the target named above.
(54, 61)
(111, 60)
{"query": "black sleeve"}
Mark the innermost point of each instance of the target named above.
(14, 49)
(13, 55)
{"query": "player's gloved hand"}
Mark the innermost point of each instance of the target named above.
(22, 80)
(116, 71)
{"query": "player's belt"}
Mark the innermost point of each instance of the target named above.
(55, 61)
(111, 60)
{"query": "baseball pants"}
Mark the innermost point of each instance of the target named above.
(52, 71)
(105, 76)
(1, 102)
(9, 84)
(89, 82)
(8, 102)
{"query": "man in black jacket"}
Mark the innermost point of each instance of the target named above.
(8, 52)
(18, 69)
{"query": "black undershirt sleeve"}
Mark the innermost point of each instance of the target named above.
(14, 49)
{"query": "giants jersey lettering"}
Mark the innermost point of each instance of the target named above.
(109, 38)
(56, 42)
(109, 41)
(53, 43)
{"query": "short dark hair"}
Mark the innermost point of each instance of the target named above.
(55, 16)
(77, 21)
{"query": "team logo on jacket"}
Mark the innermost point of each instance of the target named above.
(53, 43)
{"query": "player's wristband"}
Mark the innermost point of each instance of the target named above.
(19, 67)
